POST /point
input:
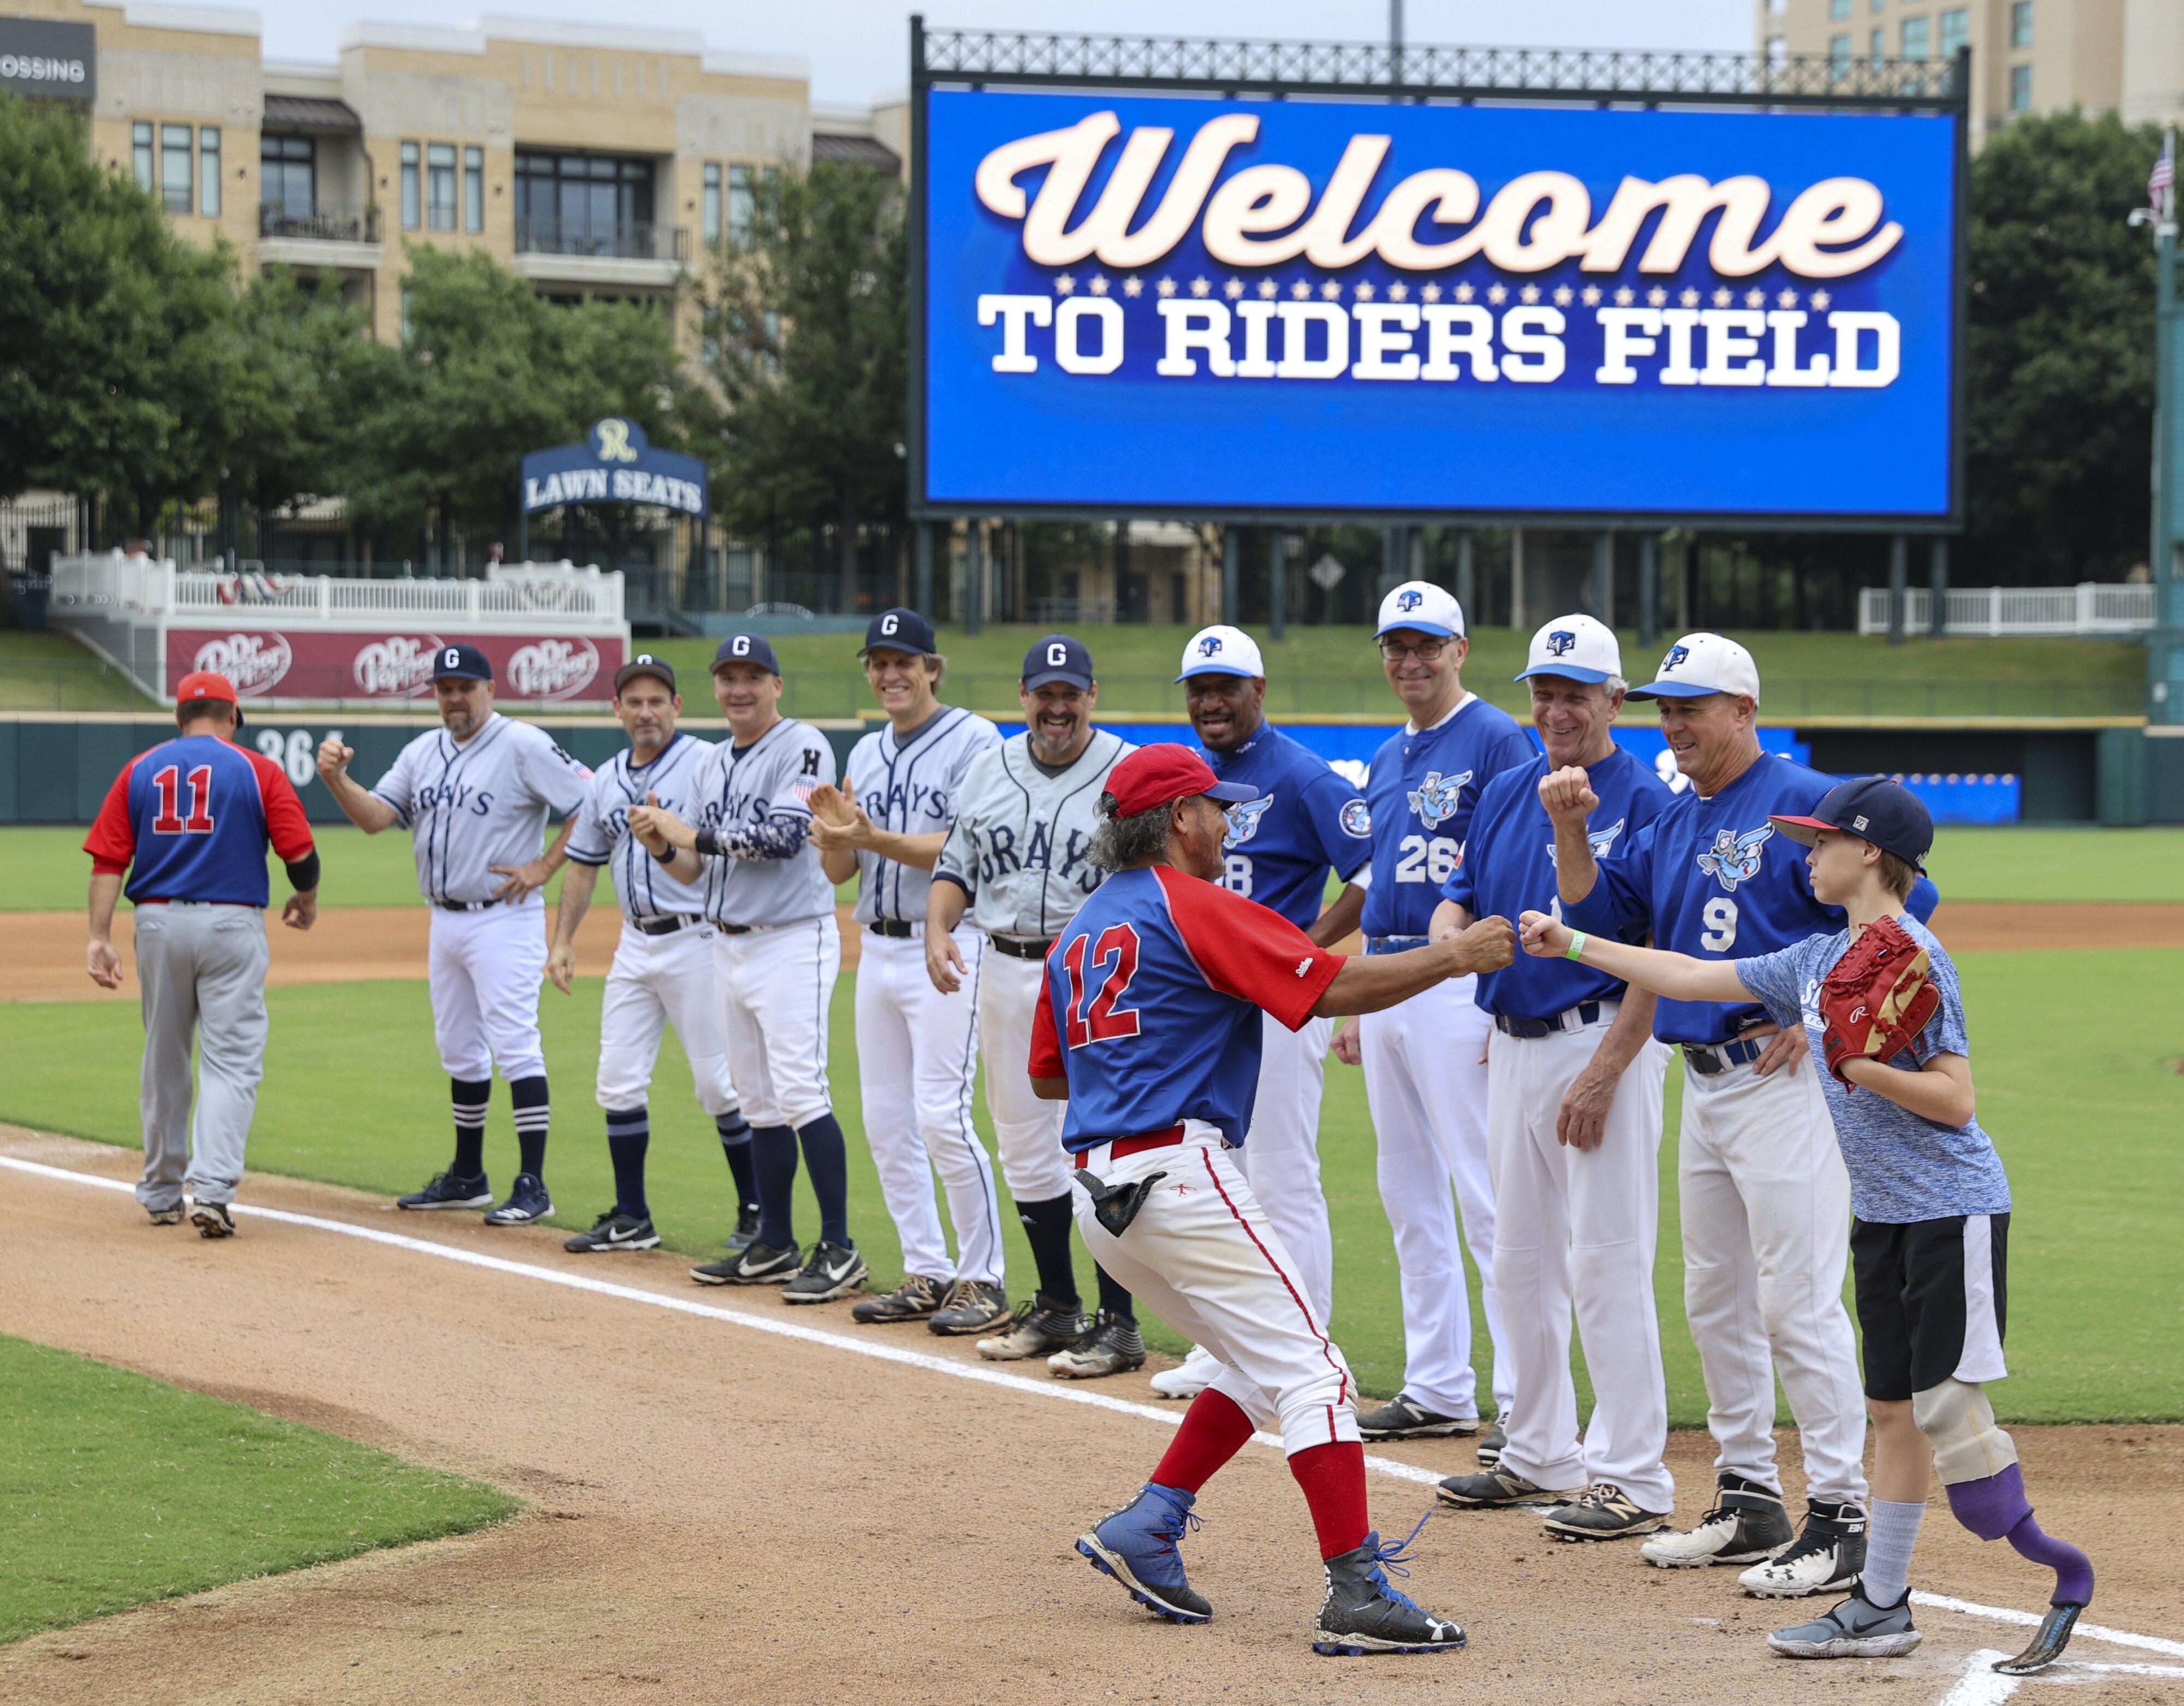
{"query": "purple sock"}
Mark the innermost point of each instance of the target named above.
(1995, 1508)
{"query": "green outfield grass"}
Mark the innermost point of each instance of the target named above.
(52, 672)
(2084, 1109)
(116, 1489)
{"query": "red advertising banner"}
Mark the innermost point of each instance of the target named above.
(390, 664)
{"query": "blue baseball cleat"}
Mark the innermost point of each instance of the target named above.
(1137, 1545)
(1363, 1614)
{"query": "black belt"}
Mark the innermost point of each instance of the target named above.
(1709, 1060)
(897, 928)
(467, 905)
(665, 926)
(733, 930)
(1588, 1012)
(1022, 950)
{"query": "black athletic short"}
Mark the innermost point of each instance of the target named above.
(1932, 1301)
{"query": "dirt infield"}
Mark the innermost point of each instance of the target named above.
(41, 953)
(718, 1514)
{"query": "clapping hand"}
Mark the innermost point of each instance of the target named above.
(838, 823)
(657, 828)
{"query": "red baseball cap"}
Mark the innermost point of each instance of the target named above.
(206, 683)
(1163, 773)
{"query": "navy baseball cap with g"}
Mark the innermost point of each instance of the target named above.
(746, 648)
(1057, 658)
(1872, 808)
(645, 664)
(901, 630)
(460, 662)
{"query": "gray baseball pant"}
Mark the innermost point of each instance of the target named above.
(201, 969)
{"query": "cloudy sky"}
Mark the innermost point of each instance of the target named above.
(858, 48)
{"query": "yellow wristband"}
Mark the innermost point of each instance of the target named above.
(1576, 949)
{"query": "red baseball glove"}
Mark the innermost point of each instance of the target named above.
(1878, 998)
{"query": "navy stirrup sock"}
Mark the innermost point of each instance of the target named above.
(629, 1134)
(827, 1155)
(468, 1097)
(736, 1145)
(534, 1112)
(773, 1156)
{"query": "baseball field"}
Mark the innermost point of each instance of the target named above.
(698, 1493)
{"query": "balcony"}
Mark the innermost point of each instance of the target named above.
(326, 235)
(620, 253)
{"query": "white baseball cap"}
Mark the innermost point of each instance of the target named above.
(1575, 648)
(1700, 664)
(1220, 650)
(1422, 605)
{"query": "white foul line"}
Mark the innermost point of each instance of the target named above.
(992, 1377)
(1981, 1684)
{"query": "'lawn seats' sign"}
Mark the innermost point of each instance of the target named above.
(616, 464)
(1191, 305)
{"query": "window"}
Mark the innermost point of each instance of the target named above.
(140, 152)
(1917, 38)
(440, 186)
(710, 219)
(1956, 31)
(741, 203)
(473, 189)
(175, 188)
(584, 204)
(287, 177)
(1877, 45)
(411, 198)
(1838, 56)
(208, 172)
(2020, 24)
(1838, 10)
(2021, 88)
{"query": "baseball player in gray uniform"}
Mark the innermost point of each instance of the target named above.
(917, 1048)
(1015, 861)
(776, 951)
(663, 966)
(475, 794)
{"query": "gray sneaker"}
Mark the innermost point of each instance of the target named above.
(1853, 1629)
(1404, 1418)
(1603, 1511)
(1493, 1487)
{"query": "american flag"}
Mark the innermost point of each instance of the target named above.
(2164, 176)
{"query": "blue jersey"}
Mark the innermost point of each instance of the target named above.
(1422, 789)
(1154, 993)
(1508, 869)
(1711, 879)
(1306, 820)
(191, 820)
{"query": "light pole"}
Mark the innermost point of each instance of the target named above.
(2164, 664)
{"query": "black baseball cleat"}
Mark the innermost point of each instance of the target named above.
(914, 1300)
(166, 1216)
(1139, 1546)
(449, 1191)
(971, 1306)
(2047, 1643)
(1404, 1418)
(1362, 1613)
(615, 1231)
(212, 1220)
(1603, 1511)
(755, 1264)
(527, 1201)
(1113, 1346)
(1040, 1328)
(832, 1270)
(746, 1232)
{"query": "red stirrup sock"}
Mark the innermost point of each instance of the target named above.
(1332, 1477)
(1214, 1430)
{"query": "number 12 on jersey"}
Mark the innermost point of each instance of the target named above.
(1103, 1021)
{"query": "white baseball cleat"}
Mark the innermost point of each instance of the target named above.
(1189, 1378)
(1748, 1525)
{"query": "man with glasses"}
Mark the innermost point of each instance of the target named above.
(1425, 1059)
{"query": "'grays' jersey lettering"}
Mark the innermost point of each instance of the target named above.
(478, 803)
(602, 836)
(911, 789)
(1018, 845)
(769, 779)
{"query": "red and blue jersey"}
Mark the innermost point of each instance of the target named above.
(1423, 786)
(191, 819)
(1154, 992)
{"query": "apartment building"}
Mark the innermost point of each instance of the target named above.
(2028, 55)
(591, 160)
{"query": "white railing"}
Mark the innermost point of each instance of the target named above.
(2090, 607)
(515, 595)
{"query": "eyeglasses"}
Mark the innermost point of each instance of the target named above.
(1425, 652)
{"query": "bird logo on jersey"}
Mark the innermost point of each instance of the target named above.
(1677, 654)
(1434, 799)
(1409, 600)
(1357, 819)
(1735, 858)
(1244, 819)
(1560, 643)
(1602, 841)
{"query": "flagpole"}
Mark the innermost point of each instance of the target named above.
(2166, 644)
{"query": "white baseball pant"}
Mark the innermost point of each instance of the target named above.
(1281, 1154)
(485, 969)
(1766, 1228)
(918, 1060)
(201, 976)
(775, 985)
(657, 981)
(1425, 1086)
(1202, 1254)
(1582, 1226)
(1026, 1130)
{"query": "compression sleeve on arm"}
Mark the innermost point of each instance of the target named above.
(303, 873)
(776, 837)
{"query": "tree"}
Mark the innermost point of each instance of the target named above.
(806, 335)
(308, 367)
(2061, 349)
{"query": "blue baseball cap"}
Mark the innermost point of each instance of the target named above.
(460, 662)
(1057, 657)
(901, 629)
(744, 648)
(1874, 808)
(645, 664)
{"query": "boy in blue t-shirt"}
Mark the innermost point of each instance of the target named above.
(1930, 1229)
